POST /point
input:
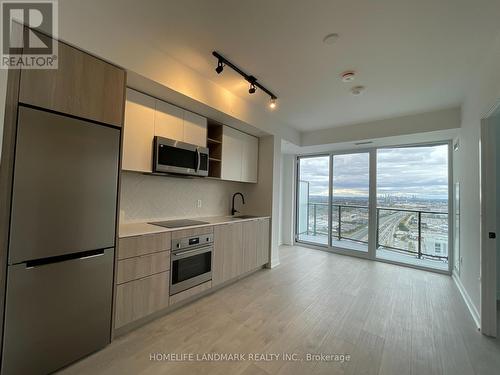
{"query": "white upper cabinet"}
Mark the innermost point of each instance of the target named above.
(239, 156)
(147, 117)
(195, 129)
(169, 121)
(231, 154)
(250, 158)
(176, 123)
(138, 133)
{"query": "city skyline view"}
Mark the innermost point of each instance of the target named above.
(419, 173)
(412, 202)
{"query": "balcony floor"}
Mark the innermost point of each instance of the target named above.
(411, 259)
(384, 254)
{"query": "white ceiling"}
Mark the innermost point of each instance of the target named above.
(413, 56)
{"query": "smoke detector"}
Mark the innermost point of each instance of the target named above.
(348, 76)
(358, 90)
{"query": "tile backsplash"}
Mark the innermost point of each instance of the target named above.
(147, 198)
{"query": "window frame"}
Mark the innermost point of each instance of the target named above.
(372, 205)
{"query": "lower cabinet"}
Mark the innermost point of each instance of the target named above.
(263, 241)
(138, 267)
(139, 298)
(227, 253)
(239, 248)
(143, 266)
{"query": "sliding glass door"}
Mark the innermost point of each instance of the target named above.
(412, 205)
(388, 203)
(350, 201)
(313, 184)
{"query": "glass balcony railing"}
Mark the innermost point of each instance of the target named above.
(423, 234)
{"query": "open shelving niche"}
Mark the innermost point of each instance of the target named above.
(214, 144)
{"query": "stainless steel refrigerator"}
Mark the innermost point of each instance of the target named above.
(61, 243)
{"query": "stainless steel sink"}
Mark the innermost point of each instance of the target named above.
(240, 217)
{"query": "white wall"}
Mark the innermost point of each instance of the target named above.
(109, 38)
(398, 126)
(483, 92)
(287, 198)
(148, 198)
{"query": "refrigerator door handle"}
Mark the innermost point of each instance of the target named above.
(92, 256)
(63, 258)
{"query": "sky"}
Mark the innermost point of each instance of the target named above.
(419, 171)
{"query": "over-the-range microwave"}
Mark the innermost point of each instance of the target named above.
(172, 156)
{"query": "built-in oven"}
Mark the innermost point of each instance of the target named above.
(190, 262)
(172, 156)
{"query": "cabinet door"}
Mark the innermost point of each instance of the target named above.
(231, 154)
(195, 129)
(263, 241)
(250, 157)
(140, 298)
(250, 241)
(82, 85)
(227, 257)
(169, 121)
(138, 134)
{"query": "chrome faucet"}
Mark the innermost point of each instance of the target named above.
(233, 210)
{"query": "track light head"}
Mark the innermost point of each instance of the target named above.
(222, 62)
(220, 67)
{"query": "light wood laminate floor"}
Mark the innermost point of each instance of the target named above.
(389, 319)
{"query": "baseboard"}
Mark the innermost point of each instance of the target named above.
(468, 301)
(273, 263)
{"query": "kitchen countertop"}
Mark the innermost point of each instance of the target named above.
(138, 229)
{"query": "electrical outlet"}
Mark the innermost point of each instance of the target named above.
(198, 203)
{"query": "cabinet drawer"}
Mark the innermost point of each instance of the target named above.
(191, 232)
(145, 265)
(190, 292)
(140, 298)
(129, 247)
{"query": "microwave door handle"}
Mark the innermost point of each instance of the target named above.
(198, 157)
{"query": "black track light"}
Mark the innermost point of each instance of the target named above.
(220, 67)
(223, 62)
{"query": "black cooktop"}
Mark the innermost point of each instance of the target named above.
(178, 223)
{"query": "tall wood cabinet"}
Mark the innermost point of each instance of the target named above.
(82, 86)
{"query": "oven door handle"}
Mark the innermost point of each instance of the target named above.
(182, 254)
